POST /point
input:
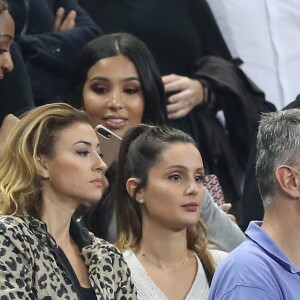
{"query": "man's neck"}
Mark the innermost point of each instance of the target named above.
(282, 224)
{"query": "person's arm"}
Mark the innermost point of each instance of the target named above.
(125, 288)
(57, 50)
(191, 92)
(15, 265)
(107, 264)
(221, 230)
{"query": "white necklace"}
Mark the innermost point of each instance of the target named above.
(163, 266)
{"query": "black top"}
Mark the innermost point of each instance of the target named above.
(177, 32)
(49, 56)
(84, 293)
(15, 91)
(87, 293)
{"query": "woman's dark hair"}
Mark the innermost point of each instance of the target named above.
(137, 52)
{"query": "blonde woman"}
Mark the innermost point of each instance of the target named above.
(50, 166)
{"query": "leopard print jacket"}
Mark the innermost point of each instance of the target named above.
(30, 267)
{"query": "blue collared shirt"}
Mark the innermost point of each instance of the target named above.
(257, 269)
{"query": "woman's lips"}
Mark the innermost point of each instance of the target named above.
(97, 181)
(115, 122)
(190, 207)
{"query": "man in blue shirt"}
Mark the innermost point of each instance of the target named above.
(267, 265)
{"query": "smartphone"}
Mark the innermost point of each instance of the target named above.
(212, 184)
(109, 144)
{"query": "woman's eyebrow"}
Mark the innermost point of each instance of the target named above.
(83, 142)
(201, 169)
(100, 78)
(130, 79)
(86, 143)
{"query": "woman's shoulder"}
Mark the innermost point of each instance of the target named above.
(127, 252)
(16, 233)
(105, 248)
(108, 262)
(218, 255)
(131, 258)
(11, 224)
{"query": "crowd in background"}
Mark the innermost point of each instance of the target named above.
(187, 85)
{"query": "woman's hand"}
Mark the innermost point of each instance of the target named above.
(226, 207)
(188, 93)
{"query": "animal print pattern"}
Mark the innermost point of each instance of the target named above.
(29, 268)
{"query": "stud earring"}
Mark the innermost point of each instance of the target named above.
(45, 176)
(140, 201)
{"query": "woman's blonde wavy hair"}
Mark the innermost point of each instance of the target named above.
(35, 134)
(141, 148)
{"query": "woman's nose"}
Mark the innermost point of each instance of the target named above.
(116, 102)
(7, 65)
(192, 189)
(101, 166)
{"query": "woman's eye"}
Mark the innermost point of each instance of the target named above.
(175, 177)
(99, 89)
(83, 153)
(2, 50)
(131, 91)
(199, 178)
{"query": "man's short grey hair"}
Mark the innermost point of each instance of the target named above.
(278, 143)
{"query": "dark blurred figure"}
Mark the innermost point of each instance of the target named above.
(15, 90)
(50, 34)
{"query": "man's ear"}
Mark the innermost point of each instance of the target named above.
(42, 167)
(131, 186)
(288, 179)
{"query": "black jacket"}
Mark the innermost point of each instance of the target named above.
(15, 91)
(225, 150)
(50, 56)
